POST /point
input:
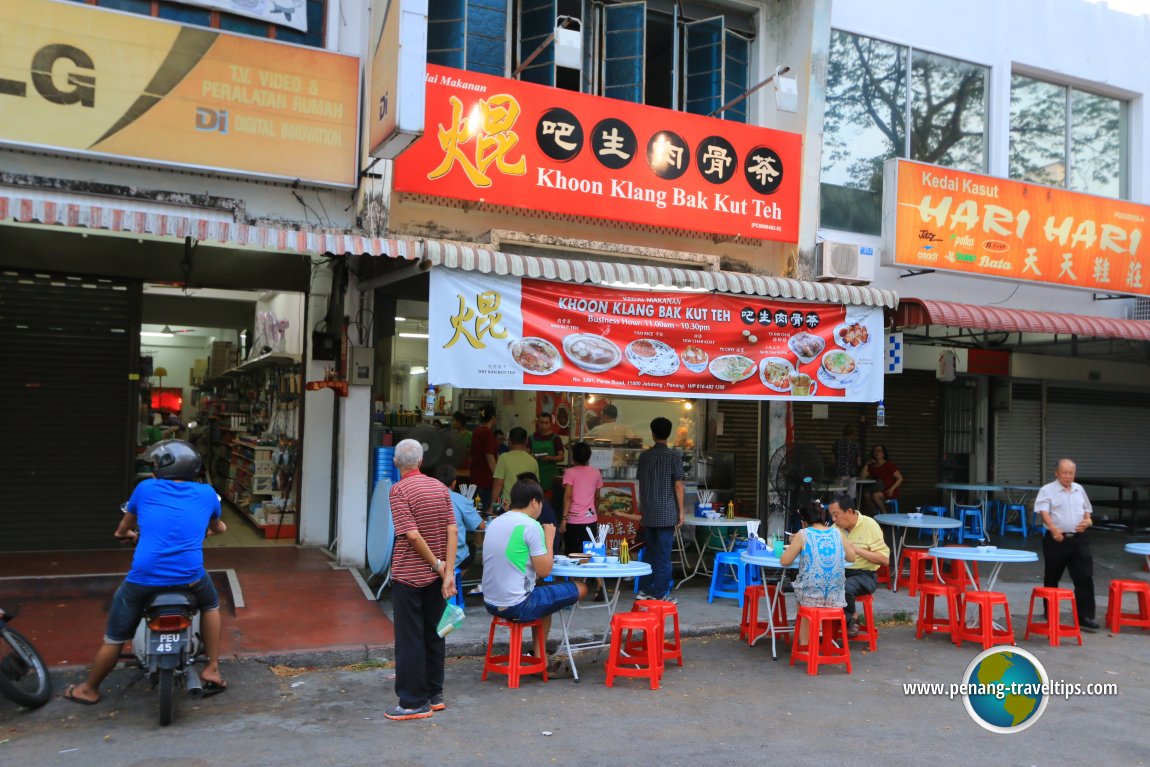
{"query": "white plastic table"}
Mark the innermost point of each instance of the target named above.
(905, 521)
(1141, 549)
(700, 548)
(767, 562)
(999, 557)
(601, 573)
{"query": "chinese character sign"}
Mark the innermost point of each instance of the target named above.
(511, 333)
(530, 147)
(994, 227)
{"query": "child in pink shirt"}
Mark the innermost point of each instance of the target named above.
(580, 499)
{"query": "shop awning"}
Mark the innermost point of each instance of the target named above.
(486, 261)
(915, 312)
(105, 217)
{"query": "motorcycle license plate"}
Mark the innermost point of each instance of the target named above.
(166, 644)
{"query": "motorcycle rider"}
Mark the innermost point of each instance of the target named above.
(172, 511)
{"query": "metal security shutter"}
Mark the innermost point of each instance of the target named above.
(1018, 437)
(741, 437)
(1104, 433)
(67, 344)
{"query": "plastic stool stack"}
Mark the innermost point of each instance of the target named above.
(672, 644)
(731, 576)
(983, 630)
(1017, 527)
(918, 559)
(1052, 627)
(970, 523)
(515, 664)
(826, 641)
(1115, 618)
(647, 658)
(938, 511)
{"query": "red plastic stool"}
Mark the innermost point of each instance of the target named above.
(825, 626)
(1053, 627)
(647, 660)
(954, 571)
(928, 622)
(672, 645)
(515, 664)
(751, 626)
(1115, 618)
(918, 560)
(983, 631)
(884, 576)
(871, 634)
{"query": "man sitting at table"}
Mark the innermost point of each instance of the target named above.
(865, 535)
(515, 553)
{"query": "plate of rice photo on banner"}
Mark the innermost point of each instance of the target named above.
(651, 357)
(775, 373)
(732, 368)
(537, 356)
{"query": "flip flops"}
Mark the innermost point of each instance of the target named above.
(214, 688)
(69, 694)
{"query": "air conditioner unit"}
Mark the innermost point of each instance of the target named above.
(844, 262)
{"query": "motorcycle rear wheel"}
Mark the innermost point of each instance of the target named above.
(167, 695)
(23, 673)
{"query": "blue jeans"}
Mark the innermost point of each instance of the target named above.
(129, 600)
(659, 541)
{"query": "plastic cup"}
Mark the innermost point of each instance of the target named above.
(779, 548)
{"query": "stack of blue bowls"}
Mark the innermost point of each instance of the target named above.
(385, 465)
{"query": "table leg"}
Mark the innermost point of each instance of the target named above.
(565, 620)
(899, 545)
(700, 562)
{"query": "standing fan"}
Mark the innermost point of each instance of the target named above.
(794, 471)
(439, 446)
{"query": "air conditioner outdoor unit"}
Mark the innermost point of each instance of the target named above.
(844, 262)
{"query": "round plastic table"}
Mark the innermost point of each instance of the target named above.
(906, 522)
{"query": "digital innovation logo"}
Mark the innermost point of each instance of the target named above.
(1005, 689)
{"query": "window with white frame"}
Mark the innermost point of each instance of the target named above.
(655, 52)
(1066, 137)
(885, 100)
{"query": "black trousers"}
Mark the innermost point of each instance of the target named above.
(858, 583)
(419, 650)
(1073, 553)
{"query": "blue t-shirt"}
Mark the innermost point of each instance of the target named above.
(173, 518)
(467, 520)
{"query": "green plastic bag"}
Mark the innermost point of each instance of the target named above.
(451, 619)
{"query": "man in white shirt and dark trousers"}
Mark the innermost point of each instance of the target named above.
(1065, 511)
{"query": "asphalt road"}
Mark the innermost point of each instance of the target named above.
(730, 704)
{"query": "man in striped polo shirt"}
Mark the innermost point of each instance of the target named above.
(423, 579)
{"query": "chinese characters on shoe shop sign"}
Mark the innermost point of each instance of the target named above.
(491, 332)
(937, 218)
(90, 81)
(503, 142)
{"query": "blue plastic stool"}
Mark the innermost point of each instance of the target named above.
(639, 558)
(1018, 527)
(970, 523)
(731, 576)
(938, 511)
(457, 600)
(892, 505)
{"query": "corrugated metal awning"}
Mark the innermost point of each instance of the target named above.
(478, 259)
(915, 311)
(124, 220)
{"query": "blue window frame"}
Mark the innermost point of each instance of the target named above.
(468, 34)
(624, 51)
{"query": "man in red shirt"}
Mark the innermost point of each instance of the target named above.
(484, 450)
(423, 579)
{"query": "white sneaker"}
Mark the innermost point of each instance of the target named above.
(643, 595)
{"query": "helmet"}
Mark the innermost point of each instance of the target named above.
(174, 459)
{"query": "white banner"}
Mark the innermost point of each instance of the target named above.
(287, 13)
(488, 332)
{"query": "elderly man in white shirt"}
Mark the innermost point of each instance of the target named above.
(1065, 511)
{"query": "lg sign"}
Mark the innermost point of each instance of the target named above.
(80, 78)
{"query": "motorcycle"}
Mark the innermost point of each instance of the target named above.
(23, 673)
(166, 644)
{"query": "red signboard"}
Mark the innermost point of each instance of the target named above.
(504, 142)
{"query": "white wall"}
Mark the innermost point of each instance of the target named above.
(1073, 42)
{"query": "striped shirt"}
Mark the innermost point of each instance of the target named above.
(1066, 507)
(659, 469)
(421, 503)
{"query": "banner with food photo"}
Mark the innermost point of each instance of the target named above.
(516, 333)
(619, 498)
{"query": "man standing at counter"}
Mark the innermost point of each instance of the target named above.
(871, 553)
(548, 450)
(661, 508)
(1065, 511)
(610, 429)
(483, 455)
